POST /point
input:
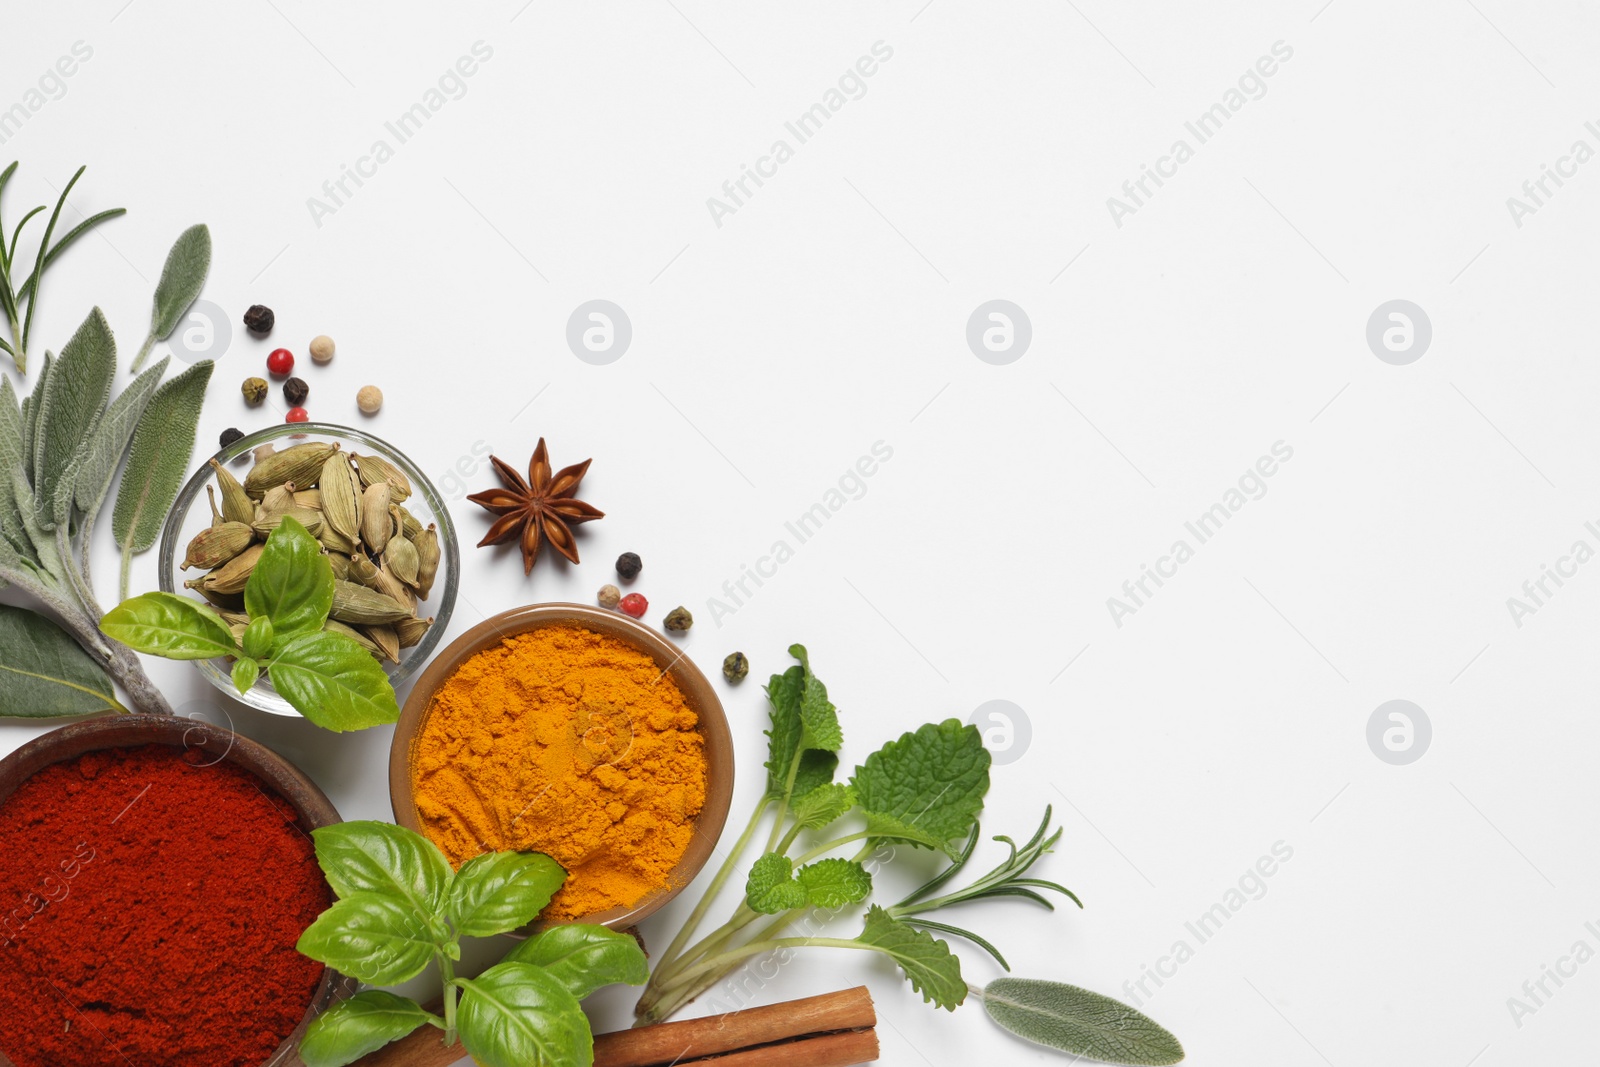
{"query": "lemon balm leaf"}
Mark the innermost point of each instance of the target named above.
(927, 787)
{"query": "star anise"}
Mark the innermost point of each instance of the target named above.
(536, 509)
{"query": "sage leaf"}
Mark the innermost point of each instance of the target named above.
(100, 456)
(497, 892)
(73, 399)
(45, 673)
(366, 856)
(11, 459)
(370, 936)
(583, 957)
(771, 889)
(927, 963)
(292, 583)
(1084, 1023)
(157, 461)
(182, 278)
(30, 412)
(334, 682)
(364, 1023)
(170, 626)
(927, 787)
(833, 883)
(515, 1014)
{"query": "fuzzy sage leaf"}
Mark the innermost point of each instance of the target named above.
(157, 460)
(97, 462)
(182, 278)
(71, 405)
(1080, 1022)
(43, 671)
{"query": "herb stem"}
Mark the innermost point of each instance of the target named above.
(447, 972)
(783, 801)
(725, 872)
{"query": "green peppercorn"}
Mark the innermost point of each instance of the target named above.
(735, 667)
(678, 619)
(254, 390)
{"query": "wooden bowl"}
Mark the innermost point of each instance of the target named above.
(126, 731)
(701, 698)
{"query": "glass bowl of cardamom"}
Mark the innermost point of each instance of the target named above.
(383, 526)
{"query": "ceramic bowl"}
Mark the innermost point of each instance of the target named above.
(125, 731)
(192, 513)
(698, 692)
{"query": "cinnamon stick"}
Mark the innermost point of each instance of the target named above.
(831, 1030)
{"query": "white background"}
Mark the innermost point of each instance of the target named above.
(829, 312)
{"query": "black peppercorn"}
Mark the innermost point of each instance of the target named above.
(229, 436)
(735, 667)
(629, 565)
(295, 390)
(259, 319)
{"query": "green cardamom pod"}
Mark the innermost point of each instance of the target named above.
(308, 498)
(377, 525)
(298, 463)
(409, 524)
(334, 541)
(339, 563)
(411, 630)
(375, 469)
(386, 639)
(341, 496)
(427, 543)
(334, 626)
(236, 503)
(216, 545)
(232, 575)
(360, 606)
(400, 556)
(311, 520)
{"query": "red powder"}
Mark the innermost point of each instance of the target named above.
(149, 908)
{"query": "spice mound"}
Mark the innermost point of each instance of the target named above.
(571, 743)
(149, 909)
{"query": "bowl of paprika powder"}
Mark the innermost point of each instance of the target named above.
(158, 874)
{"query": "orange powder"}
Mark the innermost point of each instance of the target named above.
(566, 742)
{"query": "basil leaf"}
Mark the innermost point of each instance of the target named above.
(44, 672)
(245, 672)
(823, 805)
(370, 936)
(927, 787)
(292, 583)
(73, 400)
(258, 635)
(334, 682)
(1078, 1021)
(833, 883)
(367, 856)
(170, 626)
(514, 1014)
(157, 462)
(771, 888)
(182, 277)
(500, 891)
(97, 462)
(584, 957)
(364, 1023)
(927, 963)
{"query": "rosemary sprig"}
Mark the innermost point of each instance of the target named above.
(13, 297)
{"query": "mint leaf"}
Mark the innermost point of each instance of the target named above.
(816, 770)
(514, 1014)
(292, 583)
(798, 701)
(170, 626)
(499, 891)
(584, 957)
(1078, 1021)
(927, 787)
(823, 805)
(817, 714)
(833, 883)
(927, 963)
(783, 740)
(771, 887)
(352, 1028)
(379, 939)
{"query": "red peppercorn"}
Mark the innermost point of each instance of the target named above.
(297, 415)
(634, 604)
(280, 362)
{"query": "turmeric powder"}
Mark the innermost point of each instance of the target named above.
(571, 743)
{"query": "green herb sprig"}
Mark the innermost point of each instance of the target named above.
(12, 297)
(327, 677)
(923, 790)
(401, 908)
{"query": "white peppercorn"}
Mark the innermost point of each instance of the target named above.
(369, 399)
(321, 348)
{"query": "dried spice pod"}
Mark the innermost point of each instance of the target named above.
(360, 606)
(311, 520)
(427, 543)
(363, 571)
(216, 545)
(377, 525)
(401, 557)
(334, 541)
(232, 575)
(308, 498)
(236, 503)
(221, 601)
(216, 516)
(341, 496)
(375, 469)
(412, 630)
(300, 464)
(386, 639)
(391, 586)
(407, 523)
(275, 501)
(334, 626)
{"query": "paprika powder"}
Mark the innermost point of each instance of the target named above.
(150, 901)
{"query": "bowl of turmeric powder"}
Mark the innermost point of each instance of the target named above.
(576, 732)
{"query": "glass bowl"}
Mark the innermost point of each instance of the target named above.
(192, 513)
